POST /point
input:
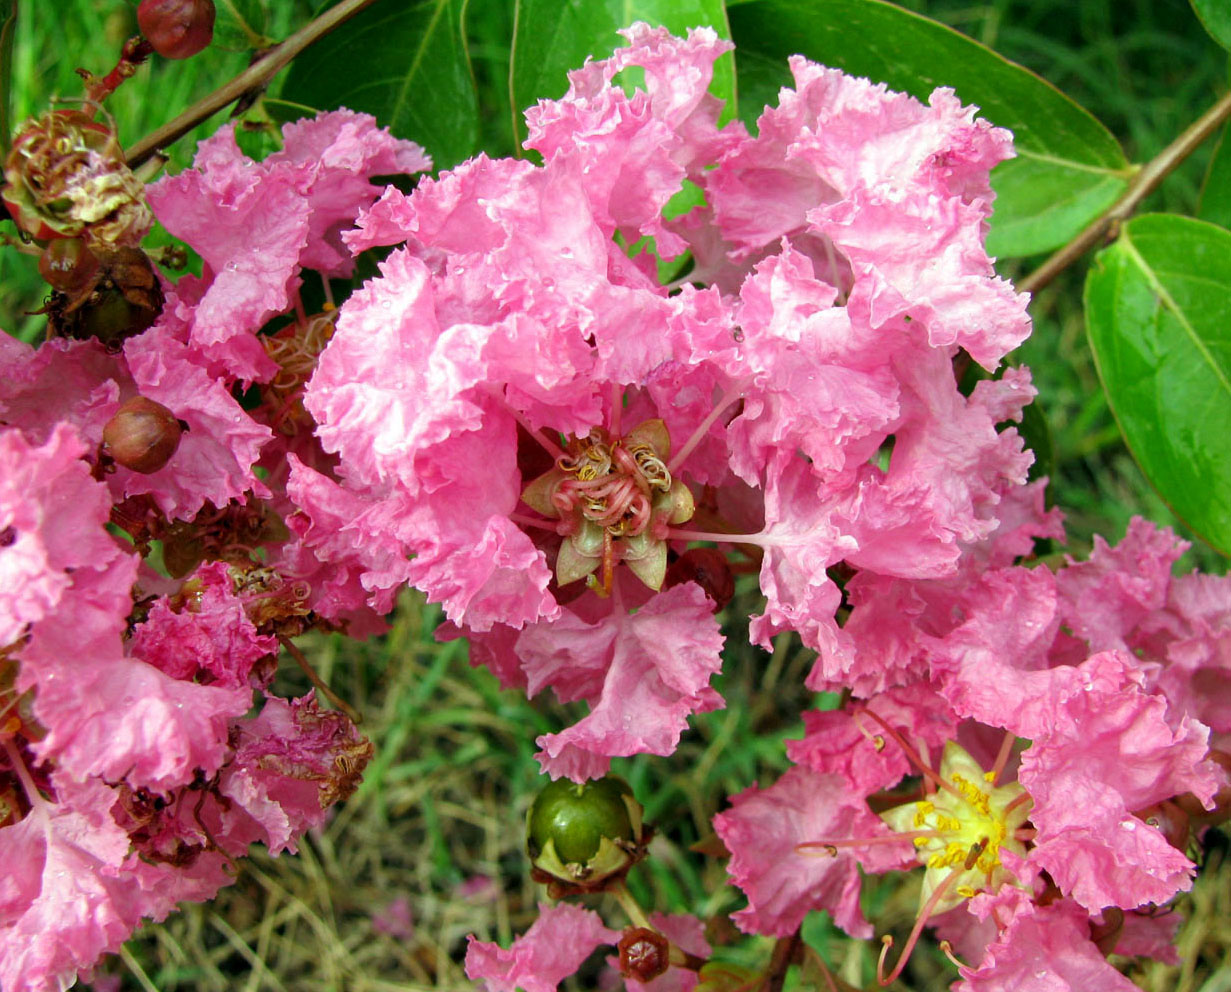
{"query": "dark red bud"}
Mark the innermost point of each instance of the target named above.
(709, 569)
(644, 954)
(177, 29)
(142, 436)
(68, 265)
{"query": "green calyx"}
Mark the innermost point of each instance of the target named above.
(584, 833)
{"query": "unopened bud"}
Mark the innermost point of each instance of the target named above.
(643, 954)
(68, 265)
(142, 436)
(177, 29)
(584, 834)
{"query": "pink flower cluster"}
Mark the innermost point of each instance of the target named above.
(541, 428)
(575, 454)
(134, 767)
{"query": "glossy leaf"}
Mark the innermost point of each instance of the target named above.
(405, 64)
(1069, 166)
(1216, 16)
(1215, 205)
(1158, 312)
(553, 36)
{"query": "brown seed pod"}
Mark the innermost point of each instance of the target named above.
(142, 436)
(66, 177)
(643, 954)
(177, 29)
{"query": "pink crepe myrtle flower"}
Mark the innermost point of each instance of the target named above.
(549, 427)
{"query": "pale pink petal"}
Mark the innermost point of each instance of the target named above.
(643, 674)
(540, 959)
(763, 829)
(1047, 950)
(216, 454)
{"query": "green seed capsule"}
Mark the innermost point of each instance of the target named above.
(583, 834)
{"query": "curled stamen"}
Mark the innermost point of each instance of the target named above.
(947, 950)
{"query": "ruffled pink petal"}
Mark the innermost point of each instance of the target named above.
(112, 716)
(292, 762)
(1047, 950)
(1107, 748)
(540, 959)
(216, 454)
(345, 150)
(853, 744)
(52, 517)
(643, 674)
(210, 634)
(783, 884)
(63, 901)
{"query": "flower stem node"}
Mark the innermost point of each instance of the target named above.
(584, 835)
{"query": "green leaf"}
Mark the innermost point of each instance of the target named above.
(1069, 166)
(8, 25)
(1215, 204)
(241, 25)
(405, 64)
(1215, 15)
(1158, 312)
(550, 37)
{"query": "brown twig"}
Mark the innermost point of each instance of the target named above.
(1140, 186)
(785, 952)
(355, 717)
(254, 76)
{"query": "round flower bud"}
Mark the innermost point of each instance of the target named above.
(643, 954)
(68, 265)
(177, 29)
(142, 436)
(65, 177)
(584, 834)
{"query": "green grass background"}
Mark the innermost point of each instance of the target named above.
(439, 819)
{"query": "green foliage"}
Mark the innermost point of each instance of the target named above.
(1158, 311)
(404, 64)
(1216, 16)
(1215, 204)
(1069, 167)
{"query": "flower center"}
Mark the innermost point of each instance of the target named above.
(611, 484)
(967, 823)
(614, 500)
